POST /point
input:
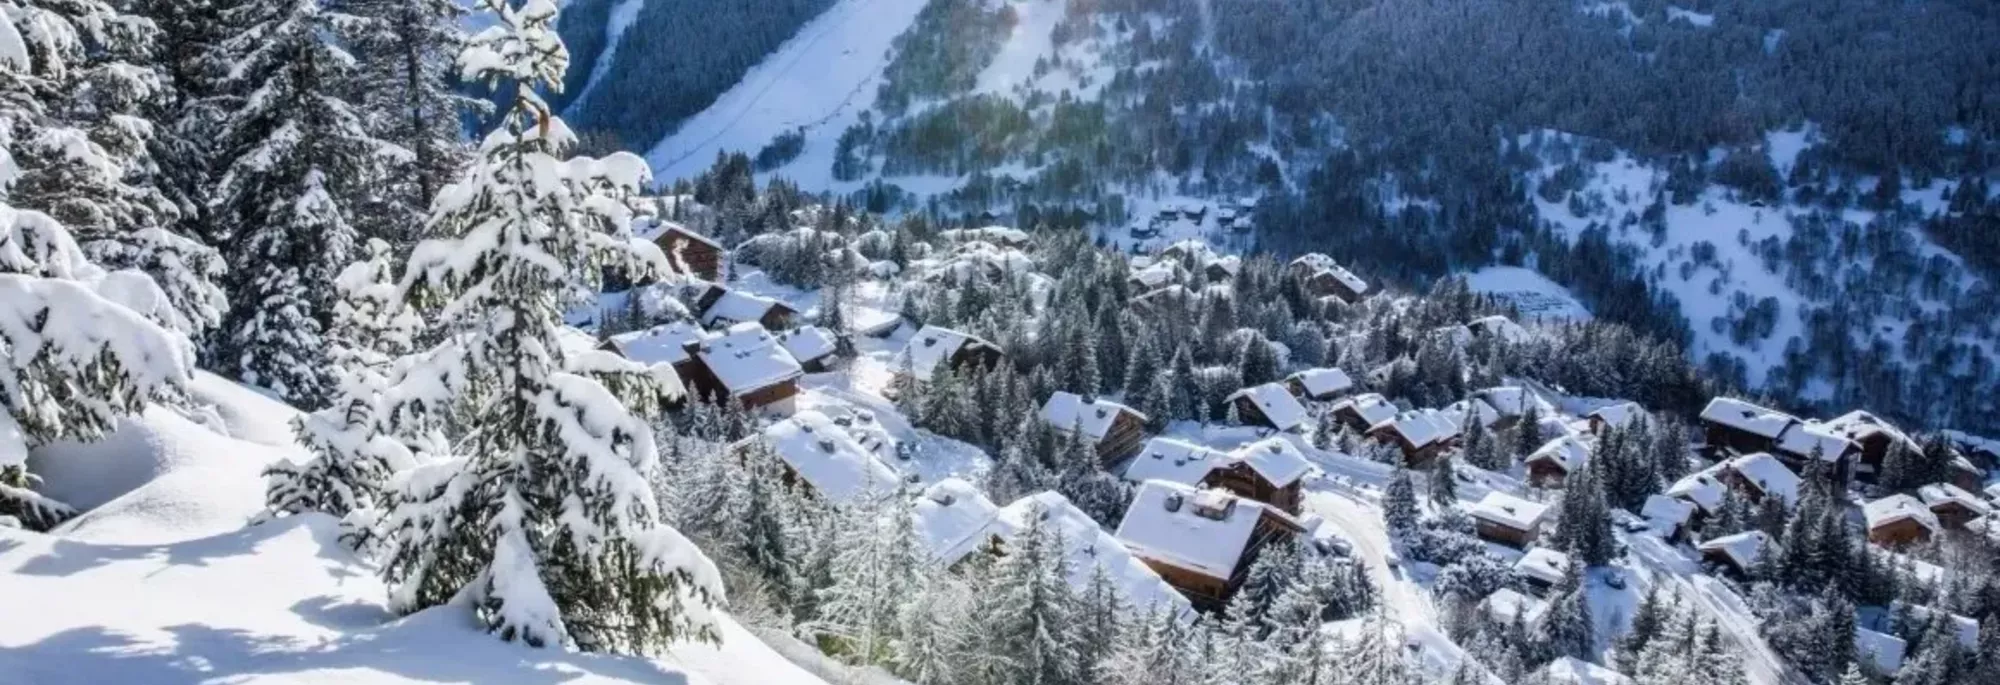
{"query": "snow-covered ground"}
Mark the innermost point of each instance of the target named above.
(821, 79)
(1534, 294)
(163, 581)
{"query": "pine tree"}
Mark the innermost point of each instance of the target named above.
(1256, 361)
(1566, 629)
(546, 523)
(1101, 625)
(1443, 481)
(766, 544)
(297, 153)
(354, 441)
(406, 81)
(1157, 654)
(931, 630)
(88, 346)
(1399, 504)
(1376, 654)
(1716, 661)
(1528, 432)
(873, 566)
(1028, 614)
(1583, 526)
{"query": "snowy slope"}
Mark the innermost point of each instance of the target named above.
(1531, 292)
(821, 79)
(162, 582)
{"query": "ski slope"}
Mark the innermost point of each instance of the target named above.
(821, 80)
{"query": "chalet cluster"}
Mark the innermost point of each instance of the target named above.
(1232, 216)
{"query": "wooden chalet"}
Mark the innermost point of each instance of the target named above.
(700, 255)
(1421, 434)
(1739, 554)
(812, 346)
(1271, 471)
(720, 306)
(1623, 415)
(1542, 568)
(671, 343)
(1671, 517)
(1899, 520)
(1320, 385)
(1222, 269)
(1270, 405)
(935, 347)
(1116, 431)
(1510, 404)
(1952, 505)
(1872, 437)
(1320, 276)
(1733, 426)
(1508, 520)
(1202, 541)
(746, 364)
(827, 461)
(1807, 441)
(1362, 412)
(1552, 463)
(1761, 476)
(1086, 546)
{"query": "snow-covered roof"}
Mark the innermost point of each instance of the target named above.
(1965, 628)
(1967, 442)
(949, 518)
(1421, 427)
(1159, 275)
(1895, 508)
(1811, 437)
(1566, 452)
(1277, 403)
(1499, 327)
(1569, 670)
(1087, 546)
(978, 258)
(993, 234)
(1202, 530)
(931, 346)
(1314, 264)
(1513, 401)
(734, 305)
(1510, 511)
(807, 343)
(1857, 425)
(1770, 476)
(1276, 459)
(1505, 604)
(1666, 513)
(1372, 407)
(1747, 417)
(1704, 488)
(1543, 564)
(1192, 249)
(1621, 415)
(1472, 407)
(1937, 494)
(1886, 651)
(663, 343)
(1229, 264)
(829, 459)
(1744, 549)
(1172, 460)
(1322, 382)
(1094, 415)
(748, 357)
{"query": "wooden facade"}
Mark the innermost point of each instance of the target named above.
(1209, 593)
(1953, 514)
(777, 317)
(1414, 456)
(1546, 472)
(1325, 284)
(1123, 440)
(1721, 438)
(1246, 482)
(1899, 532)
(703, 384)
(701, 255)
(1495, 531)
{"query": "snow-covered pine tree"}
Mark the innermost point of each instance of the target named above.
(1102, 616)
(1566, 629)
(932, 629)
(1399, 504)
(765, 544)
(354, 443)
(1443, 481)
(1527, 432)
(407, 83)
(92, 166)
(296, 156)
(873, 567)
(1157, 653)
(1375, 654)
(545, 524)
(88, 346)
(1583, 524)
(1256, 360)
(1028, 613)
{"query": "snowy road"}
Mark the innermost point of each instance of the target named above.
(1361, 526)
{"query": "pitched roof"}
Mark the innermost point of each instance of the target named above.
(1510, 511)
(1810, 437)
(1770, 476)
(1937, 494)
(1474, 408)
(663, 343)
(1174, 461)
(1276, 459)
(1513, 400)
(746, 358)
(1420, 427)
(1543, 564)
(1704, 488)
(1373, 408)
(949, 518)
(1314, 264)
(1277, 403)
(1747, 417)
(826, 457)
(737, 306)
(1886, 651)
(807, 343)
(1096, 416)
(1573, 671)
(1087, 546)
(1200, 530)
(931, 346)
(1744, 549)
(1322, 382)
(1566, 452)
(1499, 327)
(1507, 603)
(1159, 275)
(1621, 415)
(993, 234)
(1858, 425)
(1666, 513)
(661, 228)
(1895, 508)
